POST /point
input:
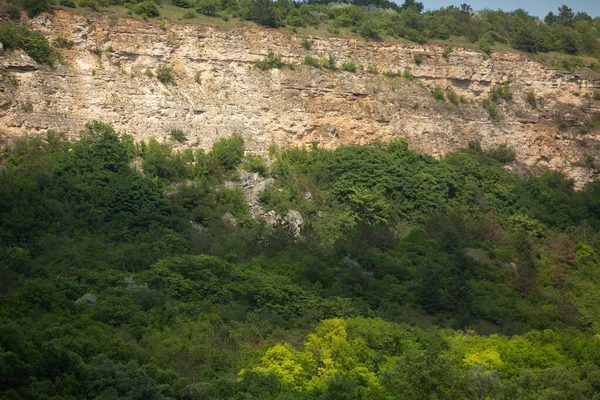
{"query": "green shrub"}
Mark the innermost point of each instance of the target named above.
(370, 29)
(263, 12)
(178, 135)
(348, 66)
(93, 4)
(500, 92)
(446, 52)
(453, 97)
(595, 121)
(67, 3)
(198, 77)
(14, 12)
(596, 95)
(306, 43)
(438, 93)
(191, 14)
(255, 164)
(35, 7)
(485, 46)
(418, 57)
(407, 74)
(182, 3)
(331, 64)
(530, 98)
(228, 152)
(313, 62)
(9, 78)
(372, 69)
(34, 43)
(147, 8)
(208, 7)
(164, 73)
(491, 108)
(271, 61)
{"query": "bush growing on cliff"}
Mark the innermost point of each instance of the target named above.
(438, 93)
(229, 151)
(531, 99)
(147, 8)
(255, 164)
(35, 7)
(348, 66)
(164, 73)
(271, 61)
(34, 43)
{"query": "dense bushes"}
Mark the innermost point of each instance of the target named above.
(34, 43)
(131, 270)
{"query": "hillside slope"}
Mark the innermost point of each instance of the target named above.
(109, 74)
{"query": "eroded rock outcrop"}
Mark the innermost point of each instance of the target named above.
(217, 90)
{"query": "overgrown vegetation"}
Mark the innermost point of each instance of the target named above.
(438, 93)
(564, 31)
(348, 66)
(271, 61)
(178, 135)
(496, 95)
(127, 281)
(164, 74)
(531, 99)
(34, 43)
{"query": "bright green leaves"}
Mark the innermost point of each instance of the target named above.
(327, 354)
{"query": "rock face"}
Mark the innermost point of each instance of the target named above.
(217, 90)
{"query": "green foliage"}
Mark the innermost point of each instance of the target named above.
(255, 164)
(208, 7)
(453, 97)
(348, 66)
(372, 69)
(596, 95)
(411, 276)
(331, 63)
(198, 77)
(229, 151)
(495, 96)
(35, 7)
(62, 43)
(438, 93)
(531, 99)
(271, 61)
(263, 12)
(306, 43)
(375, 20)
(93, 4)
(164, 74)
(313, 62)
(34, 43)
(178, 135)
(418, 57)
(147, 8)
(407, 74)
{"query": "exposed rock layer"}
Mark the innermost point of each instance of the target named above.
(217, 90)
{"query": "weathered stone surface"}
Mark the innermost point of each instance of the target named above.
(294, 107)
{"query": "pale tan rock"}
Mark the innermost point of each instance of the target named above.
(294, 107)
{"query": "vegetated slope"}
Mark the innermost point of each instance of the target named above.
(122, 283)
(148, 80)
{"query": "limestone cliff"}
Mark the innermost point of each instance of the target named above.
(217, 90)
